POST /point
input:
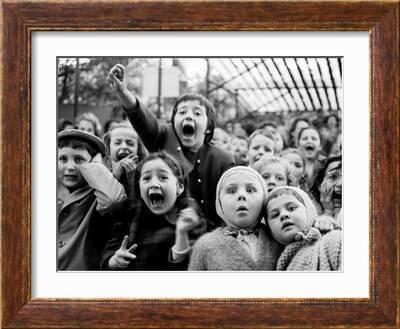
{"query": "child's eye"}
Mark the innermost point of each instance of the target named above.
(79, 160)
(230, 190)
(182, 112)
(62, 159)
(198, 113)
(280, 178)
(266, 176)
(267, 149)
(292, 208)
(297, 165)
(163, 178)
(251, 189)
(130, 143)
(146, 178)
(274, 215)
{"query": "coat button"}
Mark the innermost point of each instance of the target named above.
(61, 244)
(201, 201)
(179, 149)
(198, 160)
(199, 180)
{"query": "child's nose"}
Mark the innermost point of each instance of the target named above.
(284, 215)
(70, 165)
(241, 195)
(154, 182)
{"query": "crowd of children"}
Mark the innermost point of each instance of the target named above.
(186, 195)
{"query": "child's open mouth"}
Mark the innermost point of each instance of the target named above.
(309, 148)
(122, 154)
(242, 209)
(337, 199)
(156, 199)
(188, 129)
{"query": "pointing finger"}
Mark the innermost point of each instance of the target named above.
(132, 248)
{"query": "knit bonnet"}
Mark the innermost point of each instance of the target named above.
(302, 196)
(227, 174)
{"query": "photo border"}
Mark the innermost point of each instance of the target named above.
(20, 19)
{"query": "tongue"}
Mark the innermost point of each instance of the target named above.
(157, 203)
(188, 131)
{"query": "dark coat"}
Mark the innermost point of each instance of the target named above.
(202, 169)
(154, 236)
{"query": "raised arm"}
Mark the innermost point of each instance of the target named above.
(143, 121)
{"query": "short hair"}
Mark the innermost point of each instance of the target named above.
(268, 159)
(89, 116)
(77, 144)
(293, 127)
(63, 123)
(295, 151)
(209, 112)
(307, 128)
(262, 132)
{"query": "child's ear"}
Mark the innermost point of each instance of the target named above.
(179, 189)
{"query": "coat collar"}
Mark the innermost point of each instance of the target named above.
(67, 199)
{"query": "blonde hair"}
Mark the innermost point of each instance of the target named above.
(268, 159)
(89, 116)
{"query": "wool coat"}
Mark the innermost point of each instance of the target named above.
(202, 169)
(153, 234)
(313, 252)
(216, 251)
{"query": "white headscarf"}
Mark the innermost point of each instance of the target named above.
(311, 212)
(222, 180)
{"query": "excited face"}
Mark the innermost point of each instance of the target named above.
(123, 142)
(286, 217)
(159, 188)
(309, 143)
(190, 124)
(333, 179)
(69, 160)
(241, 200)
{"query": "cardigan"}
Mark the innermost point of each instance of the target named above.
(216, 251)
(202, 169)
(313, 252)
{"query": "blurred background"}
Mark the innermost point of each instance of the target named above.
(246, 92)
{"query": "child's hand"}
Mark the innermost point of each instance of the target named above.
(97, 158)
(123, 256)
(324, 223)
(188, 219)
(117, 77)
(127, 165)
(326, 196)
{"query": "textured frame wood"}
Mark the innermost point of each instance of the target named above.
(20, 19)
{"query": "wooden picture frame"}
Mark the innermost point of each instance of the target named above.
(21, 19)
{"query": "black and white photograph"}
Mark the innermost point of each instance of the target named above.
(199, 164)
